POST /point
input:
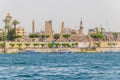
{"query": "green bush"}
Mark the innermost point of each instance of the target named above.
(42, 45)
(57, 45)
(35, 44)
(50, 45)
(27, 44)
(12, 44)
(74, 44)
(2, 45)
(19, 44)
(66, 45)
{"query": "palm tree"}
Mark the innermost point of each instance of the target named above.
(7, 25)
(4, 33)
(15, 23)
(102, 29)
(96, 29)
(11, 35)
(6, 22)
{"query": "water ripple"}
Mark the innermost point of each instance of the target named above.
(60, 66)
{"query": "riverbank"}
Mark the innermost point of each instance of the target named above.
(15, 47)
(79, 50)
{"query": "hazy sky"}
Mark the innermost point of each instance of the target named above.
(93, 12)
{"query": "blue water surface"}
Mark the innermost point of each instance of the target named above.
(49, 66)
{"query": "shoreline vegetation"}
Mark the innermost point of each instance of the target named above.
(104, 46)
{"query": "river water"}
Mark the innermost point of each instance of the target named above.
(48, 66)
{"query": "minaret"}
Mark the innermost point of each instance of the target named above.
(33, 27)
(81, 27)
(62, 28)
(8, 21)
(9, 17)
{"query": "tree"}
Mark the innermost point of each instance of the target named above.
(112, 44)
(12, 45)
(11, 35)
(47, 36)
(56, 36)
(57, 45)
(11, 32)
(97, 36)
(102, 29)
(1, 37)
(18, 36)
(96, 29)
(97, 44)
(66, 36)
(35, 44)
(50, 45)
(7, 26)
(66, 45)
(15, 23)
(27, 44)
(74, 44)
(115, 35)
(19, 44)
(44, 36)
(34, 35)
(2, 45)
(42, 45)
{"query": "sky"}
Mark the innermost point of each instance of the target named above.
(93, 13)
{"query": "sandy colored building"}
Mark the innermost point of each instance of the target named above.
(75, 34)
(21, 31)
(48, 30)
(1, 31)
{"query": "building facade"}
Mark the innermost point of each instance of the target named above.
(21, 31)
(48, 30)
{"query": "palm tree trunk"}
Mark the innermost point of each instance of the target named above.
(15, 28)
